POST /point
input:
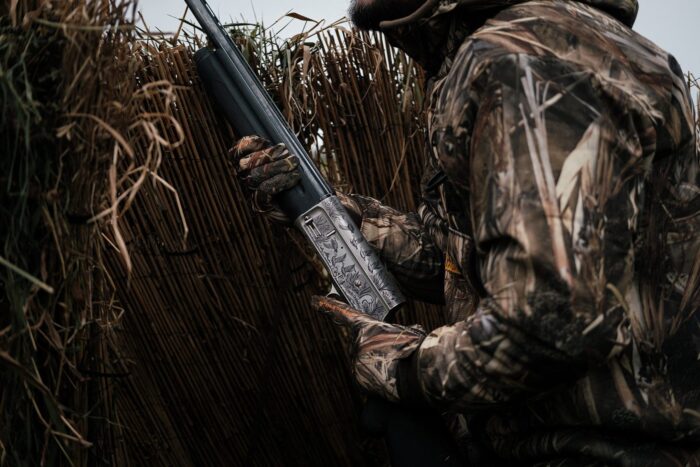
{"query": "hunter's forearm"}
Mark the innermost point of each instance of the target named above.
(405, 245)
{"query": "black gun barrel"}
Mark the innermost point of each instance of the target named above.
(250, 110)
(227, 97)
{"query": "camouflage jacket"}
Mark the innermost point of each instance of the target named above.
(561, 222)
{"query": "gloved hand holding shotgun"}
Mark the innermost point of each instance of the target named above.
(379, 347)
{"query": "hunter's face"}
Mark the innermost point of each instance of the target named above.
(367, 14)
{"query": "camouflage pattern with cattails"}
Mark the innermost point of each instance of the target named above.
(570, 211)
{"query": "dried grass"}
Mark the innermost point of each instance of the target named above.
(57, 62)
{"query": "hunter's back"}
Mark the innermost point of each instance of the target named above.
(618, 128)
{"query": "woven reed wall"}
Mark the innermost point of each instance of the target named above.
(226, 363)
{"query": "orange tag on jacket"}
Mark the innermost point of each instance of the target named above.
(451, 266)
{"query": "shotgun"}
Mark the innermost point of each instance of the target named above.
(358, 275)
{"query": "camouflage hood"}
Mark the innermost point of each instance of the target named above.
(434, 31)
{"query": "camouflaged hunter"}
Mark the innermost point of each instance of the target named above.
(560, 227)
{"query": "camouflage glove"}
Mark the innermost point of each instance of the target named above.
(265, 170)
(383, 353)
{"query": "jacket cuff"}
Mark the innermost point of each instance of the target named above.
(408, 382)
(353, 207)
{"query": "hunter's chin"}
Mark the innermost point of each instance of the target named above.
(367, 14)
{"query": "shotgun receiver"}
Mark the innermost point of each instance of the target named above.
(358, 274)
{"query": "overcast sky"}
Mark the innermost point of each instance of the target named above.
(673, 24)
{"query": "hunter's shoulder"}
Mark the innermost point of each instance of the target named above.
(559, 39)
(576, 34)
